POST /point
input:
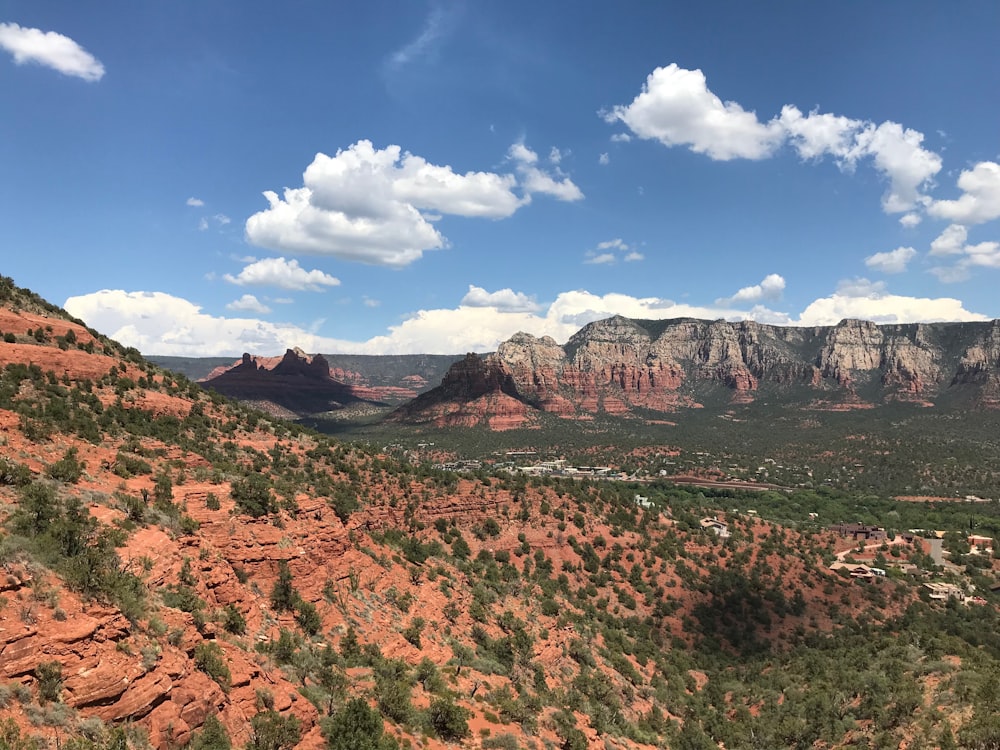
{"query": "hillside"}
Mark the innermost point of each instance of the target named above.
(181, 569)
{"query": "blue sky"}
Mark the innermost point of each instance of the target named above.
(393, 177)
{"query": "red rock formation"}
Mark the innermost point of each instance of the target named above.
(618, 365)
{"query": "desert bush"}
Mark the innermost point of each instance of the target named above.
(209, 658)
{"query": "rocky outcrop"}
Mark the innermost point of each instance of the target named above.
(332, 381)
(621, 366)
(297, 384)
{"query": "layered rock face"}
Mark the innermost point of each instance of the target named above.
(619, 365)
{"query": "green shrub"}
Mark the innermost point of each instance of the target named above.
(49, 676)
(272, 731)
(233, 620)
(68, 468)
(252, 495)
(209, 658)
(356, 726)
(449, 720)
(307, 616)
(213, 736)
(284, 596)
(413, 631)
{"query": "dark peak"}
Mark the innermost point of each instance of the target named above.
(297, 362)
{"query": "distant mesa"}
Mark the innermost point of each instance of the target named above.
(632, 368)
(295, 384)
(298, 384)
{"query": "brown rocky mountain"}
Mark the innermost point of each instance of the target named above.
(619, 366)
(299, 384)
(295, 384)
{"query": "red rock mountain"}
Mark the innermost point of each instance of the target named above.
(292, 385)
(618, 366)
(298, 384)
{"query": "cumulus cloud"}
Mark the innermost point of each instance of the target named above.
(604, 159)
(196, 202)
(910, 220)
(249, 303)
(980, 199)
(953, 243)
(158, 323)
(676, 108)
(378, 206)
(504, 300)
(882, 307)
(284, 274)
(621, 138)
(770, 288)
(893, 261)
(51, 50)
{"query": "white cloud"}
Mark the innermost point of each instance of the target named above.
(536, 180)
(51, 50)
(284, 274)
(436, 27)
(601, 255)
(158, 323)
(196, 202)
(555, 155)
(621, 138)
(504, 300)
(884, 308)
(249, 303)
(980, 199)
(910, 220)
(604, 159)
(898, 154)
(368, 205)
(370, 302)
(222, 219)
(676, 108)
(951, 241)
(202, 224)
(861, 287)
(893, 261)
(616, 244)
(951, 274)
(770, 288)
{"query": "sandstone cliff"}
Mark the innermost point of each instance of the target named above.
(618, 366)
